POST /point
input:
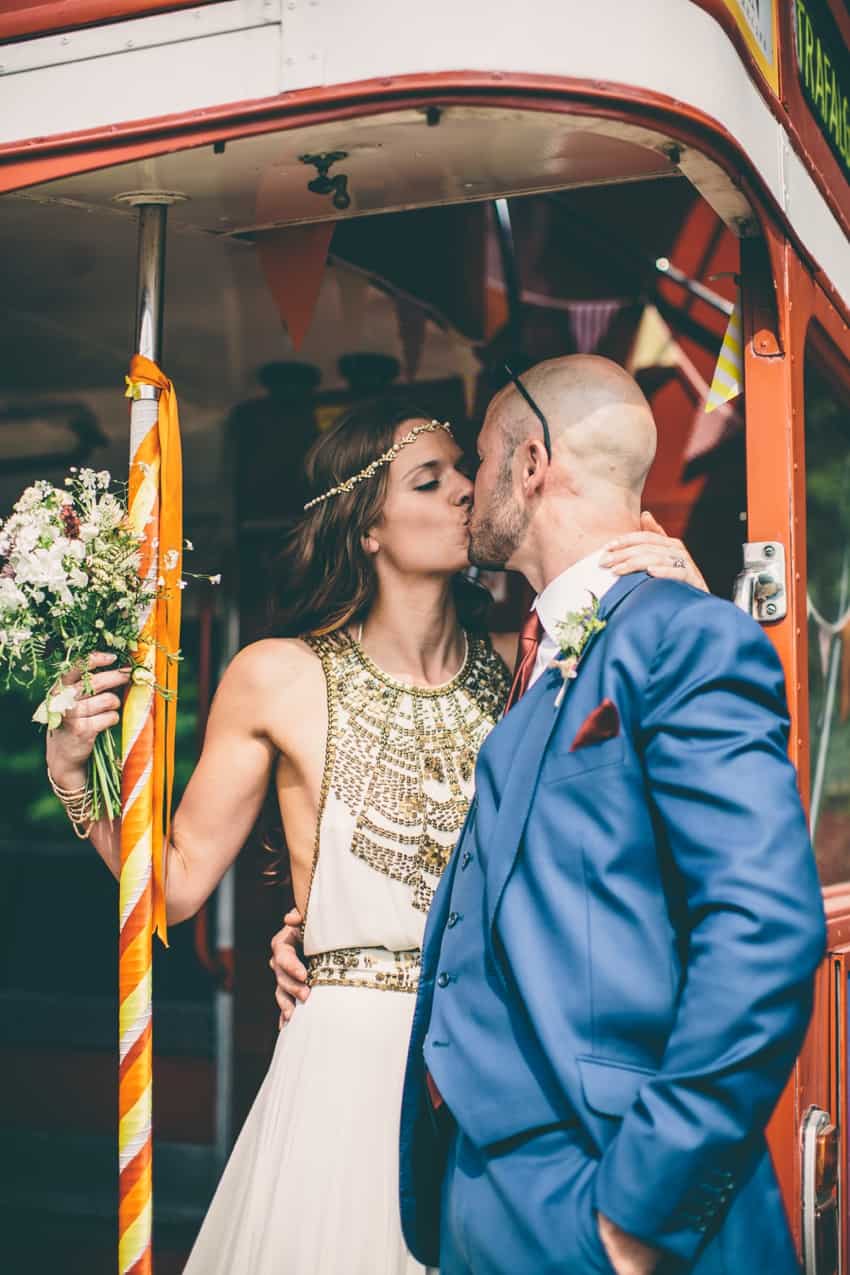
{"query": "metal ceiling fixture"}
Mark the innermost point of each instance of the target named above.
(336, 186)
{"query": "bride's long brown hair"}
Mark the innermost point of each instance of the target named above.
(323, 577)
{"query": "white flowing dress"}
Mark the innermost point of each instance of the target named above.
(312, 1185)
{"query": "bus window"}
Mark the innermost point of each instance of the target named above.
(828, 560)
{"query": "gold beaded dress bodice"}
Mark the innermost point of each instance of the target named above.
(398, 779)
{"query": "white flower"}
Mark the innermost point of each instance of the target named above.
(11, 597)
(44, 568)
(103, 477)
(74, 549)
(61, 701)
(53, 707)
(27, 538)
(216, 579)
(109, 512)
(29, 499)
(187, 544)
(171, 559)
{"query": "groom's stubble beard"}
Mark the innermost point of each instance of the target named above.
(498, 533)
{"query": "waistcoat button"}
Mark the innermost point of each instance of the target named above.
(454, 917)
(443, 979)
(466, 859)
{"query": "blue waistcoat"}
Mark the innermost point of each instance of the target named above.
(478, 1028)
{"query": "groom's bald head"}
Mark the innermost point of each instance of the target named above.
(603, 443)
(600, 421)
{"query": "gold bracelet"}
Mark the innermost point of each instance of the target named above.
(77, 803)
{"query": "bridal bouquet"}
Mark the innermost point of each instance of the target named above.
(69, 586)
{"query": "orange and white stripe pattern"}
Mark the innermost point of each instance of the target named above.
(147, 732)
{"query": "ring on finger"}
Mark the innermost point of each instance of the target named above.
(678, 562)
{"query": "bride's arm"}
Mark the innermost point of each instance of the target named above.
(652, 550)
(226, 790)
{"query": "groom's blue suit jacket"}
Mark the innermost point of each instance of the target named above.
(639, 955)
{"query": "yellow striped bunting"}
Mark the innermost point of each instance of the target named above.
(728, 380)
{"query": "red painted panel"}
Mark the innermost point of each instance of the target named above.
(18, 20)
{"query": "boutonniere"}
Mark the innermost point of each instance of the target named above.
(573, 634)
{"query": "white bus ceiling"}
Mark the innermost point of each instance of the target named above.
(68, 265)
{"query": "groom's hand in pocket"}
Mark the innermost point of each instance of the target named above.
(627, 1254)
(290, 974)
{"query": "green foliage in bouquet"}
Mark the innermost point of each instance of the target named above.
(70, 586)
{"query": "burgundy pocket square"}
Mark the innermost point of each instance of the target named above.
(602, 723)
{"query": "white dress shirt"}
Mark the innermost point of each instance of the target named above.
(570, 591)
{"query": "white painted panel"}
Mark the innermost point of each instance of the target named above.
(148, 67)
(88, 43)
(668, 46)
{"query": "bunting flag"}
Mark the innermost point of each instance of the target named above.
(294, 260)
(709, 431)
(589, 322)
(728, 380)
(352, 286)
(654, 344)
(469, 368)
(411, 331)
(148, 735)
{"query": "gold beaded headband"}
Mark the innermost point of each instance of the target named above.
(385, 459)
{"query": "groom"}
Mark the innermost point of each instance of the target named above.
(617, 968)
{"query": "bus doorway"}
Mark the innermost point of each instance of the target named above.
(425, 303)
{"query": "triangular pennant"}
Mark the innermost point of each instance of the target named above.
(654, 344)
(352, 286)
(293, 261)
(709, 431)
(411, 331)
(589, 322)
(469, 367)
(728, 380)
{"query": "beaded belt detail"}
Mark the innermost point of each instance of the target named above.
(374, 967)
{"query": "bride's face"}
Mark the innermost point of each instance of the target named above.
(423, 526)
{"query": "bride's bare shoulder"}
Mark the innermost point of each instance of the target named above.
(275, 664)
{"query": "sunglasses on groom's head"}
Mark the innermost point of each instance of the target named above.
(547, 439)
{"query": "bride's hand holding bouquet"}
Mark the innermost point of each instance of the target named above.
(72, 604)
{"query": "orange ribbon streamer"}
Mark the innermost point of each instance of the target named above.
(166, 628)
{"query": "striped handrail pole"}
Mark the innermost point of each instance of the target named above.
(135, 1082)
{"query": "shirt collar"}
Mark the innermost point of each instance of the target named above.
(571, 591)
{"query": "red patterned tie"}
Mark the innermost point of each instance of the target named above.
(529, 643)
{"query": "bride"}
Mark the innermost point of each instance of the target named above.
(366, 714)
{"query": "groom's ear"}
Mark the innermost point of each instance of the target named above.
(534, 465)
